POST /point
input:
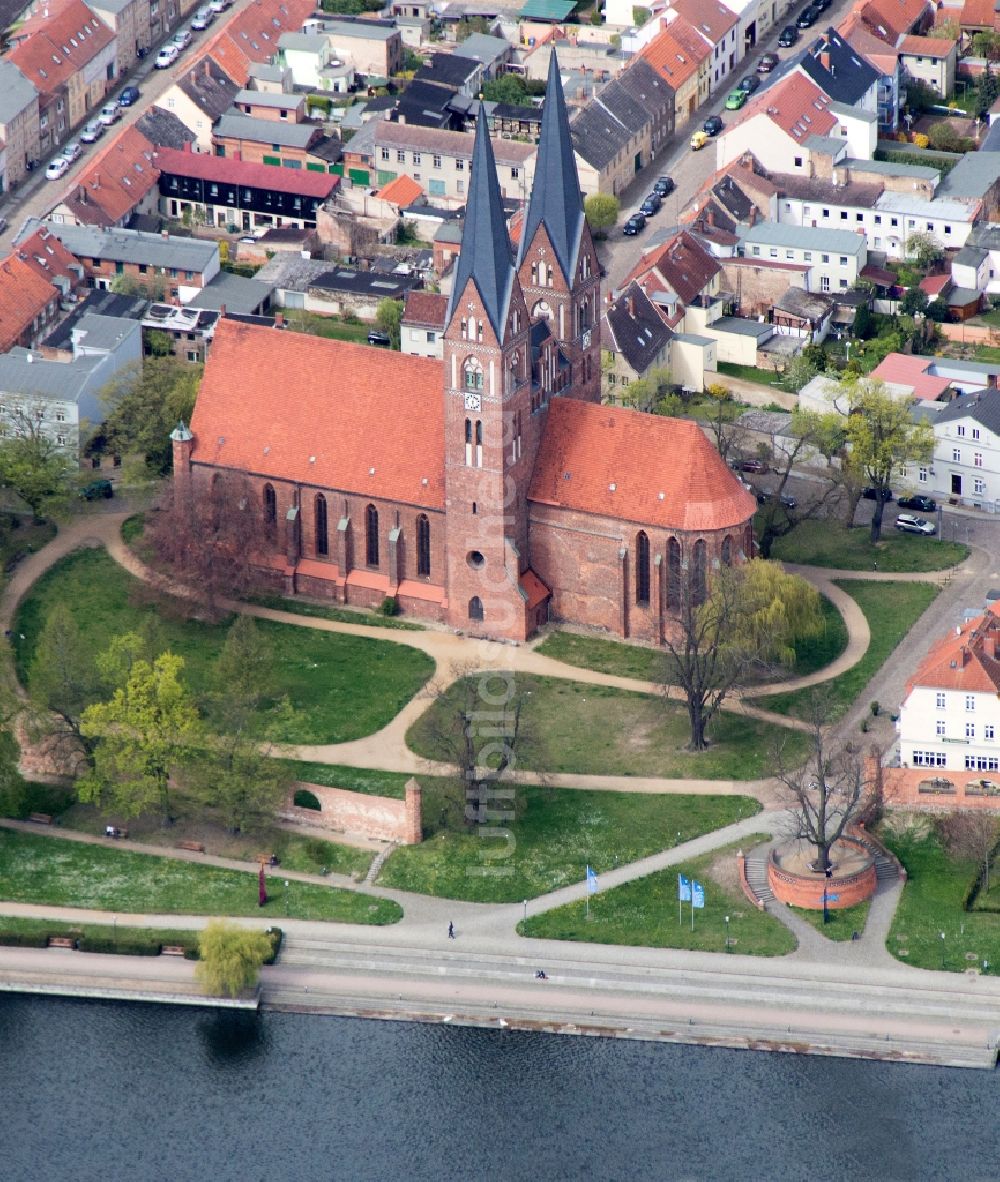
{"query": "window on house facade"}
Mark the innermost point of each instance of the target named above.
(960, 431)
(982, 763)
(475, 608)
(922, 475)
(939, 727)
(989, 732)
(977, 459)
(979, 486)
(322, 537)
(970, 730)
(939, 700)
(970, 701)
(423, 545)
(929, 759)
(956, 456)
(371, 536)
(436, 161)
(975, 432)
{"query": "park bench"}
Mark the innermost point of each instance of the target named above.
(268, 859)
(115, 831)
(171, 950)
(195, 846)
(41, 818)
(61, 942)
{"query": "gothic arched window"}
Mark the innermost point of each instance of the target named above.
(322, 540)
(472, 374)
(270, 505)
(642, 567)
(423, 545)
(371, 535)
(475, 608)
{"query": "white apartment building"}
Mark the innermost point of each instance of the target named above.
(835, 258)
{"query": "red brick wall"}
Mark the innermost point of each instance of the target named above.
(381, 818)
(807, 891)
(901, 789)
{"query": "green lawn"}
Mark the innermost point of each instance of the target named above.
(841, 924)
(567, 726)
(20, 536)
(828, 543)
(891, 610)
(749, 373)
(327, 326)
(341, 687)
(650, 664)
(645, 912)
(559, 832)
(369, 781)
(341, 615)
(47, 869)
(932, 903)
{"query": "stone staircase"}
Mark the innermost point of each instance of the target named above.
(378, 862)
(757, 877)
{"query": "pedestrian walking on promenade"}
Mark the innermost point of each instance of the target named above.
(451, 931)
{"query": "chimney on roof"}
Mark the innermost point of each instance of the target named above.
(164, 233)
(710, 216)
(824, 59)
(630, 304)
(279, 320)
(753, 215)
(222, 311)
(207, 61)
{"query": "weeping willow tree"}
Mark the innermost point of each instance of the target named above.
(741, 624)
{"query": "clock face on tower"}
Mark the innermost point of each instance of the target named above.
(473, 402)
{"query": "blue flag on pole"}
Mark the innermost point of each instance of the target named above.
(697, 895)
(683, 888)
(592, 886)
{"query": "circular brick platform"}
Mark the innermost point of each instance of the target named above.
(792, 881)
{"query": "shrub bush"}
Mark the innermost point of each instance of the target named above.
(389, 606)
(276, 936)
(305, 799)
(24, 939)
(122, 945)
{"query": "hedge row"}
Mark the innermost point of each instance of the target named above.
(125, 944)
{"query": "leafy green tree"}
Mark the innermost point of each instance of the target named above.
(62, 677)
(924, 249)
(230, 958)
(602, 211)
(914, 300)
(943, 136)
(937, 310)
(41, 471)
(13, 790)
(798, 373)
(160, 343)
(864, 323)
(389, 317)
(988, 88)
(141, 735)
(144, 403)
(746, 621)
(881, 438)
(508, 88)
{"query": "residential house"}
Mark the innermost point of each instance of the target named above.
(975, 181)
(29, 304)
(423, 324)
(965, 467)
(305, 56)
(802, 314)
(166, 265)
(234, 295)
(950, 717)
(452, 72)
(48, 258)
(199, 97)
(718, 26)
(19, 125)
(881, 54)
(129, 20)
(220, 192)
(267, 141)
(634, 342)
(345, 290)
(841, 72)
(683, 62)
(252, 35)
(118, 183)
(493, 53)
(189, 330)
(619, 131)
(63, 399)
(931, 60)
(835, 258)
(428, 104)
(276, 105)
(69, 56)
(374, 48)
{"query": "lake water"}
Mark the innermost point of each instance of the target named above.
(134, 1092)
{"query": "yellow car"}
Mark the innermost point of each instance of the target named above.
(698, 141)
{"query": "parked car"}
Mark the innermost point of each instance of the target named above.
(871, 494)
(219, 6)
(919, 502)
(664, 185)
(749, 464)
(808, 17)
(735, 99)
(166, 57)
(788, 36)
(110, 113)
(786, 502)
(97, 490)
(915, 525)
(749, 83)
(713, 125)
(182, 38)
(92, 131)
(767, 63)
(634, 225)
(698, 141)
(129, 96)
(377, 337)
(651, 206)
(821, 5)
(57, 168)
(202, 18)
(71, 152)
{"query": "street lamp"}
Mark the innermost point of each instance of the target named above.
(525, 910)
(728, 948)
(827, 875)
(286, 896)
(942, 950)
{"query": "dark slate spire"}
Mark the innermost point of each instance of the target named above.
(555, 193)
(485, 255)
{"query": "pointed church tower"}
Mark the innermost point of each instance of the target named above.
(487, 418)
(557, 263)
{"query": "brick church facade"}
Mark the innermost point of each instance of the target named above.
(489, 491)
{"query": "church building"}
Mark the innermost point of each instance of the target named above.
(490, 491)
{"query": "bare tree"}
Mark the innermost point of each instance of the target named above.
(213, 540)
(971, 836)
(825, 794)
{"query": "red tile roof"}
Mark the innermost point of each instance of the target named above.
(681, 265)
(302, 181)
(636, 467)
(927, 46)
(796, 105)
(425, 308)
(324, 413)
(47, 257)
(977, 14)
(23, 295)
(674, 62)
(708, 17)
(903, 369)
(251, 35)
(966, 659)
(116, 181)
(534, 589)
(57, 42)
(402, 191)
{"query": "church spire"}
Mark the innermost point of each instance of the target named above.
(555, 192)
(485, 256)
